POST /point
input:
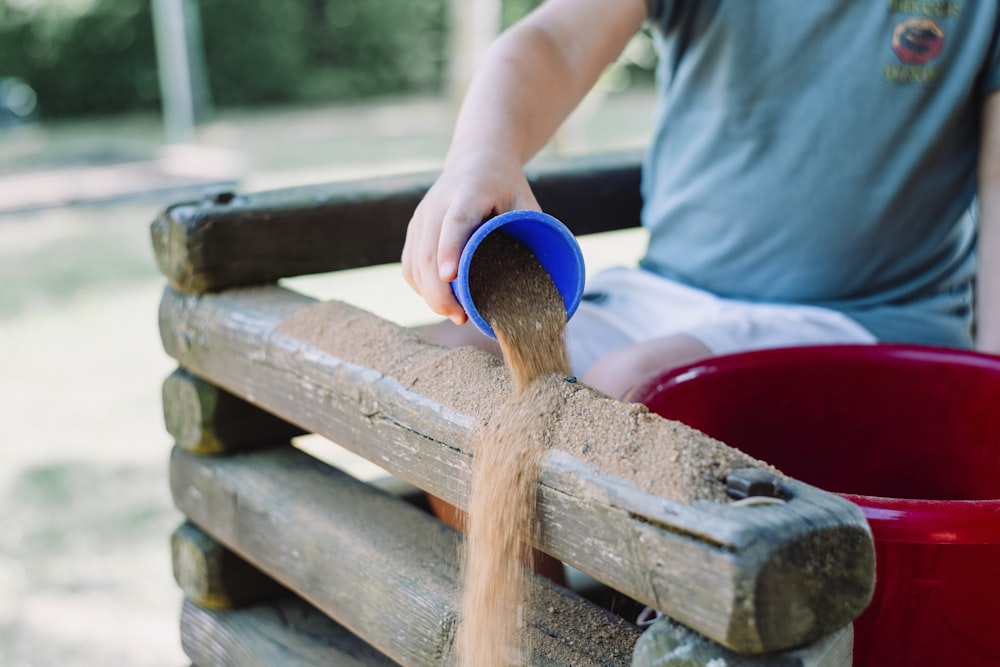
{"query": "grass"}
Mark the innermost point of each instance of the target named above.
(50, 258)
(84, 564)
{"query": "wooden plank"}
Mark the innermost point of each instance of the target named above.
(753, 578)
(378, 566)
(259, 238)
(213, 576)
(667, 644)
(284, 633)
(205, 419)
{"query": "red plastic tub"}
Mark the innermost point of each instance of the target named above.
(912, 435)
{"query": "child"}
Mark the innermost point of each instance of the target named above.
(812, 177)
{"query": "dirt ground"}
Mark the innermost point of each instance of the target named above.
(85, 577)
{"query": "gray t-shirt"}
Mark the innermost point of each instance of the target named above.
(824, 152)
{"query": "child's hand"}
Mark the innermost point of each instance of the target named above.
(531, 78)
(471, 189)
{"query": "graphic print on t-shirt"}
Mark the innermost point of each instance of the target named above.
(917, 41)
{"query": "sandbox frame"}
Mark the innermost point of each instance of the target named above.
(285, 560)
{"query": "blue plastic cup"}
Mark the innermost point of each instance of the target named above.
(550, 241)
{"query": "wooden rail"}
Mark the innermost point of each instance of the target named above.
(287, 632)
(744, 576)
(233, 241)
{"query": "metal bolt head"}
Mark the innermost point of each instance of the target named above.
(754, 483)
(224, 197)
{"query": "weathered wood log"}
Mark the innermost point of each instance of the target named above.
(284, 633)
(260, 238)
(378, 566)
(204, 419)
(666, 644)
(753, 578)
(213, 576)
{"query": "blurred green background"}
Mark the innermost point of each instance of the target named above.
(98, 56)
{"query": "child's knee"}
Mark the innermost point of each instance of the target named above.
(616, 372)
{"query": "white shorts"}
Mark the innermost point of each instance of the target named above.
(622, 306)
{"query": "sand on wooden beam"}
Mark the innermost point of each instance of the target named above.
(259, 238)
(284, 633)
(636, 501)
(387, 571)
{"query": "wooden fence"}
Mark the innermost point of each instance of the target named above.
(286, 560)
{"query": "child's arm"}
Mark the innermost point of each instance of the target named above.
(988, 275)
(532, 78)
